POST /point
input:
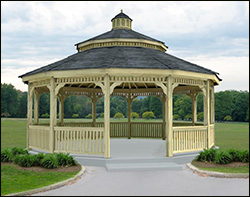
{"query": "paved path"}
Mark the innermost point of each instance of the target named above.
(98, 182)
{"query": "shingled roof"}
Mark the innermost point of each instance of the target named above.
(121, 33)
(122, 57)
(121, 15)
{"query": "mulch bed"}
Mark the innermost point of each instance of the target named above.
(212, 165)
(41, 169)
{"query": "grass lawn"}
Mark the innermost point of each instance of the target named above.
(243, 169)
(14, 180)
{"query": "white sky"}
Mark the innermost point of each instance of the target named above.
(214, 35)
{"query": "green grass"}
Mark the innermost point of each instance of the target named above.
(14, 180)
(232, 135)
(243, 169)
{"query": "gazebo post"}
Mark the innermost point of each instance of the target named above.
(29, 110)
(207, 112)
(36, 106)
(163, 99)
(169, 117)
(52, 114)
(61, 107)
(194, 108)
(94, 99)
(129, 100)
(106, 116)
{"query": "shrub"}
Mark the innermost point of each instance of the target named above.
(134, 115)
(244, 156)
(176, 117)
(236, 154)
(228, 118)
(200, 116)
(19, 151)
(75, 116)
(45, 115)
(38, 159)
(65, 160)
(6, 155)
(89, 116)
(207, 155)
(101, 115)
(222, 157)
(148, 115)
(49, 161)
(25, 160)
(118, 115)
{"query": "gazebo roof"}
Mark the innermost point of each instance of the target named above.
(121, 57)
(122, 48)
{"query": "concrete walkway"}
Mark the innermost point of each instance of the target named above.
(97, 181)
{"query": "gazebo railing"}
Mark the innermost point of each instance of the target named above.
(38, 137)
(84, 140)
(192, 138)
(211, 136)
(146, 129)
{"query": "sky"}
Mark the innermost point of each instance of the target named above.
(213, 34)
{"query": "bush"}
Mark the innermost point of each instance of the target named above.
(38, 159)
(207, 155)
(134, 115)
(200, 116)
(228, 118)
(45, 115)
(65, 160)
(148, 115)
(118, 115)
(101, 115)
(222, 157)
(25, 160)
(89, 116)
(75, 116)
(49, 161)
(19, 151)
(176, 117)
(236, 155)
(244, 156)
(6, 155)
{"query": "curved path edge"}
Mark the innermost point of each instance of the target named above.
(216, 174)
(50, 187)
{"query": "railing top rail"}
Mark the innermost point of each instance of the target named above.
(80, 128)
(189, 127)
(146, 122)
(39, 127)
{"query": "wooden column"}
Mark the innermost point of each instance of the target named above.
(207, 111)
(52, 114)
(169, 117)
(164, 117)
(36, 106)
(129, 100)
(106, 116)
(61, 108)
(29, 110)
(94, 99)
(194, 107)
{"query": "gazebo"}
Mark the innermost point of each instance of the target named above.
(120, 62)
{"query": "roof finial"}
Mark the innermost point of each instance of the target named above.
(121, 10)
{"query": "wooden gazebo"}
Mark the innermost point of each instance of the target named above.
(120, 62)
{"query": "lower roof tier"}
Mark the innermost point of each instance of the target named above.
(122, 57)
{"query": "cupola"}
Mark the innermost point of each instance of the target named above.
(121, 21)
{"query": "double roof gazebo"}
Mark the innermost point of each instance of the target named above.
(125, 63)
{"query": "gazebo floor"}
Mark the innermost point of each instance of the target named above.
(136, 154)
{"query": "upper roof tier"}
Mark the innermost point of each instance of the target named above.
(121, 34)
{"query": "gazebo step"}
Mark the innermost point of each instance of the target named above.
(116, 167)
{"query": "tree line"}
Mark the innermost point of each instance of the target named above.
(230, 105)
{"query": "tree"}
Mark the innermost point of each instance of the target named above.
(155, 105)
(148, 115)
(134, 115)
(247, 115)
(119, 115)
(9, 100)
